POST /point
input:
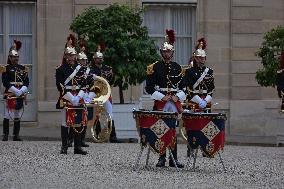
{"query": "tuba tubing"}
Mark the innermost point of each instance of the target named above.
(101, 124)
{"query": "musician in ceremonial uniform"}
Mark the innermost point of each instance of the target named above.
(280, 81)
(162, 83)
(71, 94)
(98, 68)
(198, 81)
(16, 81)
(83, 77)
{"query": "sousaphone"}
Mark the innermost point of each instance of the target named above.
(101, 124)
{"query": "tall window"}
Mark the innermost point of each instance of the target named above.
(17, 22)
(181, 18)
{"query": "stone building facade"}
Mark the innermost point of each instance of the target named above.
(234, 30)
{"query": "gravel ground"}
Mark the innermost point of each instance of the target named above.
(39, 165)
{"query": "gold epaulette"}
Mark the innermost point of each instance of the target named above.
(26, 69)
(109, 67)
(2, 69)
(150, 68)
(183, 69)
(280, 71)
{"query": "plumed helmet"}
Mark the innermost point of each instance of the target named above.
(70, 50)
(70, 45)
(200, 48)
(14, 50)
(200, 52)
(169, 41)
(82, 56)
(100, 49)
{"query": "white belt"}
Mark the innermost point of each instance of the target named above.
(72, 87)
(167, 89)
(199, 91)
(16, 83)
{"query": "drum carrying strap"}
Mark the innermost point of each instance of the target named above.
(200, 79)
(88, 71)
(72, 75)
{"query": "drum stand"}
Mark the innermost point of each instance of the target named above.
(193, 154)
(138, 159)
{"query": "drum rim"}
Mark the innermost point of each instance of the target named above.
(154, 111)
(204, 113)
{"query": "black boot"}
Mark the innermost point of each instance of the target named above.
(282, 106)
(77, 144)
(161, 161)
(5, 129)
(64, 138)
(70, 137)
(113, 138)
(16, 130)
(172, 164)
(83, 136)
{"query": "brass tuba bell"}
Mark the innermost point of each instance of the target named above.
(101, 124)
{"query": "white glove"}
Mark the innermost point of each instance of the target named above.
(81, 94)
(75, 100)
(87, 99)
(202, 104)
(94, 76)
(92, 95)
(24, 89)
(18, 93)
(13, 90)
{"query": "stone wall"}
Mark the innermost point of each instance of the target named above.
(234, 30)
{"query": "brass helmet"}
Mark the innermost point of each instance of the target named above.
(200, 48)
(98, 53)
(14, 50)
(82, 56)
(70, 45)
(70, 50)
(169, 41)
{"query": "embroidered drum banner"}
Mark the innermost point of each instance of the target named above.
(156, 129)
(76, 116)
(206, 130)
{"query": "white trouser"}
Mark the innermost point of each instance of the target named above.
(108, 107)
(12, 114)
(170, 107)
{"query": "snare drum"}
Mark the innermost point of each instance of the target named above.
(14, 103)
(156, 129)
(206, 130)
(76, 116)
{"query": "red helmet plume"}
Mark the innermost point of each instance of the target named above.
(18, 45)
(73, 38)
(102, 46)
(203, 41)
(171, 36)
